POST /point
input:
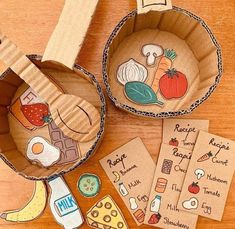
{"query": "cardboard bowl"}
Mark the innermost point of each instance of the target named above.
(198, 57)
(14, 136)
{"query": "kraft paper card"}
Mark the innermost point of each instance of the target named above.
(131, 169)
(183, 132)
(162, 211)
(209, 176)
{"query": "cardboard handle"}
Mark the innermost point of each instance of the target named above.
(144, 6)
(14, 58)
(69, 34)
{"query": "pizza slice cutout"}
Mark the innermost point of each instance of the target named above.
(105, 214)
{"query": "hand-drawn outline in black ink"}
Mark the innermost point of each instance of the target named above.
(154, 4)
(117, 176)
(199, 173)
(191, 204)
(167, 166)
(133, 203)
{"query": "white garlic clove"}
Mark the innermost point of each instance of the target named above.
(131, 71)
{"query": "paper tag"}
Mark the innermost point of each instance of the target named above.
(168, 180)
(211, 169)
(183, 132)
(131, 169)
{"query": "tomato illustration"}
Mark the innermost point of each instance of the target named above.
(174, 142)
(194, 188)
(173, 85)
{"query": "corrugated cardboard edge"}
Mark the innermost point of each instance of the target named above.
(161, 114)
(100, 134)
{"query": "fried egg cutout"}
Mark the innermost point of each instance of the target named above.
(41, 151)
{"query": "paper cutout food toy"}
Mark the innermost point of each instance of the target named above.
(199, 173)
(194, 188)
(154, 219)
(76, 117)
(106, 214)
(174, 142)
(69, 148)
(33, 209)
(89, 185)
(190, 204)
(173, 84)
(39, 150)
(139, 215)
(37, 114)
(205, 157)
(63, 205)
(16, 111)
(141, 93)
(152, 52)
(131, 71)
(164, 64)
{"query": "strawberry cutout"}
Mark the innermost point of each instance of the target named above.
(37, 114)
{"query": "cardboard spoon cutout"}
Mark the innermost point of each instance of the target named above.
(77, 118)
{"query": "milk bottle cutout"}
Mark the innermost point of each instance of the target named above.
(63, 205)
(155, 205)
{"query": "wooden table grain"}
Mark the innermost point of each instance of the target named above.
(30, 23)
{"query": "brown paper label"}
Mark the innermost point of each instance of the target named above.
(209, 176)
(168, 180)
(130, 169)
(183, 132)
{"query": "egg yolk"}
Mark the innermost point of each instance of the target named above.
(37, 148)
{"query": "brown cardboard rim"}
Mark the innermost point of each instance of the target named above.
(92, 150)
(193, 106)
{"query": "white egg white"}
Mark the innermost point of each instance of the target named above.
(49, 156)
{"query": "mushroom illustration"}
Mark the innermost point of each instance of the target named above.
(152, 52)
(199, 173)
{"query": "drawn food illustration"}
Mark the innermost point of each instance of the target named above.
(15, 110)
(156, 204)
(152, 52)
(154, 219)
(139, 215)
(194, 188)
(37, 114)
(123, 190)
(190, 204)
(173, 84)
(39, 150)
(167, 166)
(133, 203)
(161, 185)
(165, 63)
(131, 71)
(33, 209)
(117, 176)
(205, 157)
(89, 185)
(141, 93)
(106, 214)
(199, 173)
(174, 142)
(69, 148)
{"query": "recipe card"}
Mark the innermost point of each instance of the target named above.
(209, 176)
(168, 180)
(183, 132)
(130, 168)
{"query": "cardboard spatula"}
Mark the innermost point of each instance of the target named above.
(77, 118)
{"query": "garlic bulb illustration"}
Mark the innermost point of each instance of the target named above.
(131, 71)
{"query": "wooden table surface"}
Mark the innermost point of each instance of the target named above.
(30, 23)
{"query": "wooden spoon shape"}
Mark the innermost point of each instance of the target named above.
(77, 118)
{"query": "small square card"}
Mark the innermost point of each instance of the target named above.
(130, 168)
(168, 180)
(209, 176)
(183, 132)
